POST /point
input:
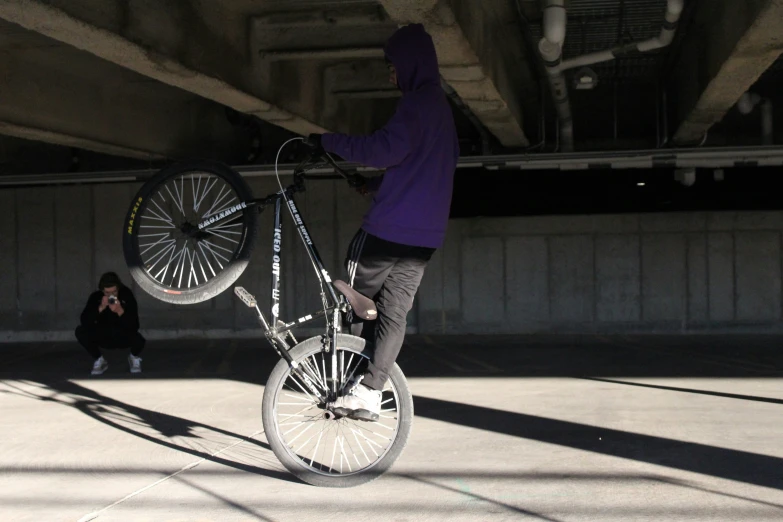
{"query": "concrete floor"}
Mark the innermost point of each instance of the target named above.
(554, 428)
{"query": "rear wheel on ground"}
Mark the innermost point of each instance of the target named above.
(326, 451)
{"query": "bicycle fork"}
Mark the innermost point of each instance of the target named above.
(279, 344)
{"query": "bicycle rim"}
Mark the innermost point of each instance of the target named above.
(333, 447)
(174, 252)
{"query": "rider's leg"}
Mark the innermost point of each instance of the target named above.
(389, 273)
(394, 302)
(367, 265)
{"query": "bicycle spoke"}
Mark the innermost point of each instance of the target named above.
(206, 259)
(175, 199)
(195, 188)
(299, 413)
(316, 447)
(303, 390)
(159, 219)
(361, 446)
(165, 214)
(370, 443)
(214, 254)
(224, 237)
(352, 373)
(181, 265)
(211, 182)
(314, 374)
(317, 370)
(192, 269)
(342, 453)
(161, 255)
(161, 240)
(195, 253)
(356, 423)
(334, 452)
(220, 197)
(320, 442)
(179, 194)
(166, 268)
(225, 205)
(218, 246)
(305, 443)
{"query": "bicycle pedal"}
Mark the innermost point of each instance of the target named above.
(245, 296)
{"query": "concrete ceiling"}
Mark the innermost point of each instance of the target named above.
(185, 78)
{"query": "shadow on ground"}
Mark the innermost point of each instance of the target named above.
(604, 359)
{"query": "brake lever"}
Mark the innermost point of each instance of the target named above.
(328, 159)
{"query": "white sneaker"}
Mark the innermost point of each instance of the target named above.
(359, 402)
(135, 363)
(99, 366)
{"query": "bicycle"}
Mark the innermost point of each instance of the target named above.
(213, 231)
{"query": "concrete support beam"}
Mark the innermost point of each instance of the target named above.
(297, 52)
(358, 95)
(60, 95)
(166, 41)
(78, 142)
(726, 49)
(323, 54)
(480, 50)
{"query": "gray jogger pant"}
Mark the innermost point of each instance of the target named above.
(388, 273)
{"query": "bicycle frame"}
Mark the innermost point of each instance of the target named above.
(277, 331)
(330, 299)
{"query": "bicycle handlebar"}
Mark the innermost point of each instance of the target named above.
(314, 159)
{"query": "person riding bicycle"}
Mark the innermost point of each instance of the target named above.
(408, 218)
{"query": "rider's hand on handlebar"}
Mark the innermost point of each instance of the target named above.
(313, 142)
(359, 182)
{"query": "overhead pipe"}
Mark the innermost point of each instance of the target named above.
(551, 49)
(706, 158)
(747, 102)
(767, 134)
(530, 47)
(664, 39)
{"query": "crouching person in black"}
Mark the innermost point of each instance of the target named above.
(111, 321)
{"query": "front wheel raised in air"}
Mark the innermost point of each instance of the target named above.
(168, 255)
(314, 445)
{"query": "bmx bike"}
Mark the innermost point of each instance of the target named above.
(188, 236)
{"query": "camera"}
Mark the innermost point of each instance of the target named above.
(112, 299)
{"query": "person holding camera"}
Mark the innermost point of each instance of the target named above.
(110, 320)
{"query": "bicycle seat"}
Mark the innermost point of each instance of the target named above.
(362, 306)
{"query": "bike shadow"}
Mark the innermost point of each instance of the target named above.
(141, 423)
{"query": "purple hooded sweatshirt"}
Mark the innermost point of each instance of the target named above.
(418, 148)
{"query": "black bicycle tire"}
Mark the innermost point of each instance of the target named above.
(222, 280)
(293, 465)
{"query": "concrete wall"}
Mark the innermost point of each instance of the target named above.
(659, 272)
(651, 272)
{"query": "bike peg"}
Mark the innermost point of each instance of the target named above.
(245, 296)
